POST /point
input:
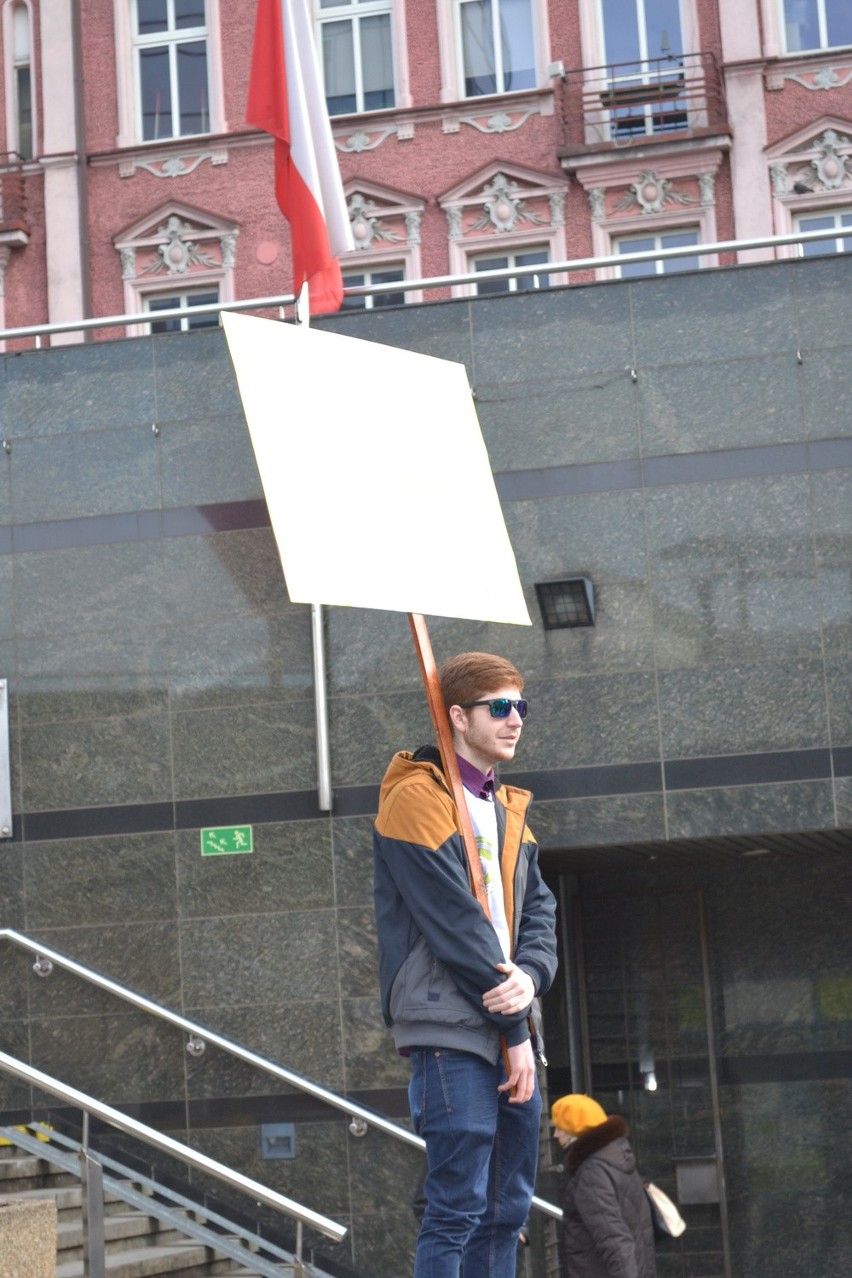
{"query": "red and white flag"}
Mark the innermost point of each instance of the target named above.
(286, 99)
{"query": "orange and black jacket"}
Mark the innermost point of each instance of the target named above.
(438, 952)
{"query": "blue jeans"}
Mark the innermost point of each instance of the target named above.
(481, 1155)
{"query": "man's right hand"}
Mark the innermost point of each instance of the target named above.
(521, 1081)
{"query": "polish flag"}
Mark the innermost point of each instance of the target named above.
(286, 99)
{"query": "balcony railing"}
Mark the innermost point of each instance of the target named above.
(14, 224)
(626, 103)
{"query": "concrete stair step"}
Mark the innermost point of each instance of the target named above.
(122, 1232)
(188, 1260)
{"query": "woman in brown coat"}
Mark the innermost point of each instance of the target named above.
(606, 1230)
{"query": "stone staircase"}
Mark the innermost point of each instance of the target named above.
(137, 1245)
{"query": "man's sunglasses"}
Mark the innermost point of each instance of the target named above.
(500, 707)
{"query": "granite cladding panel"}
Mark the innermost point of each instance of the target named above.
(443, 331)
(79, 388)
(194, 376)
(15, 966)
(730, 524)
(226, 574)
(587, 328)
(366, 731)
(571, 823)
(835, 592)
(356, 939)
(289, 869)
(597, 535)
(822, 300)
(843, 795)
(14, 1093)
(208, 460)
(254, 959)
(826, 392)
(702, 406)
(750, 615)
(579, 418)
(592, 719)
(114, 673)
(300, 1035)
(839, 684)
(712, 316)
(244, 749)
(120, 1059)
(95, 472)
(353, 861)
(742, 709)
(100, 882)
(750, 809)
(256, 659)
(832, 516)
(91, 762)
(7, 612)
(370, 1058)
(142, 956)
(90, 588)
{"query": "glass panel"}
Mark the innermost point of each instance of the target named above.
(164, 304)
(21, 33)
(25, 113)
(388, 277)
(152, 15)
(192, 82)
(621, 31)
(819, 248)
(377, 62)
(539, 279)
(480, 74)
(202, 299)
(492, 286)
(351, 280)
(662, 27)
(339, 68)
(156, 93)
(838, 20)
(802, 24)
(633, 270)
(516, 34)
(189, 13)
(682, 240)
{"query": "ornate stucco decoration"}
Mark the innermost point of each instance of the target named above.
(178, 254)
(171, 166)
(597, 203)
(504, 209)
(368, 139)
(778, 174)
(824, 78)
(651, 194)
(365, 220)
(829, 165)
(499, 122)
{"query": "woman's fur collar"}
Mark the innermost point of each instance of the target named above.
(593, 1140)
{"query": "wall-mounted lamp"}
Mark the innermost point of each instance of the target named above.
(566, 603)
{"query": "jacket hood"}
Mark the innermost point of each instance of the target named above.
(608, 1140)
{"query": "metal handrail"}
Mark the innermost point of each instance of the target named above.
(199, 1035)
(167, 1145)
(570, 266)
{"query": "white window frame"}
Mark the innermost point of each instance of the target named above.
(656, 233)
(365, 268)
(351, 9)
(452, 59)
(127, 94)
(776, 31)
(181, 293)
(836, 212)
(10, 70)
(511, 252)
(464, 252)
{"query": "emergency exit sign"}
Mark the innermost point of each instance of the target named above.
(226, 840)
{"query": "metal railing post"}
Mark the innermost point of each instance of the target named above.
(92, 1202)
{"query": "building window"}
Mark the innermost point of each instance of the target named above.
(187, 298)
(643, 48)
(653, 243)
(816, 24)
(369, 301)
(23, 88)
(496, 40)
(839, 219)
(357, 55)
(503, 261)
(170, 63)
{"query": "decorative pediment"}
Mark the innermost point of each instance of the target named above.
(381, 216)
(502, 198)
(818, 158)
(624, 189)
(175, 241)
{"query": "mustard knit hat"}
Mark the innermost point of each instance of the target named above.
(576, 1113)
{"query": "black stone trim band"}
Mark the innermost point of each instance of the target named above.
(716, 772)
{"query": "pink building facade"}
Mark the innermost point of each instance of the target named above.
(472, 135)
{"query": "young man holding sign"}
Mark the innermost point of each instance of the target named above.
(458, 983)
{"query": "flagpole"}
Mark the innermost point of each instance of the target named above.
(324, 794)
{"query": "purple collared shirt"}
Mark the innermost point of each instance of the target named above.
(479, 783)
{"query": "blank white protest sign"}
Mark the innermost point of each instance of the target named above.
(375, 474)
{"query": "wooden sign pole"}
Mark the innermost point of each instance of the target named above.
(444, 736)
